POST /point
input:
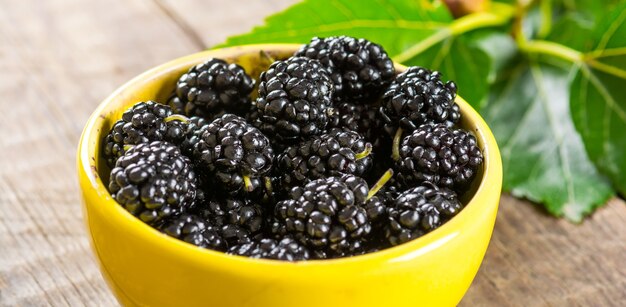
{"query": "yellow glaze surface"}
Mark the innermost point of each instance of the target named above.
(147, 268)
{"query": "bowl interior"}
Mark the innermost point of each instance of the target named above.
(158, 83)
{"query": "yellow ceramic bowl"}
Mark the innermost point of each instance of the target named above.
(147, 268)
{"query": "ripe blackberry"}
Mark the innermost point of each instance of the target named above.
(416, 97)
(328, 215)
(211, 89)
(390, 192)
(234, 153)
(144, 122)
(195, 230)
(195, 127)
(359, 68)
(284, 249)
(419, 211)
(362, 118)
(238, 220)
(153, 181)
(295, 98)
(444, 156)
(337, 152)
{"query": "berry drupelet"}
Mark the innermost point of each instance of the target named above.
(418, 211)
(238, 220)
(444, 156)
(234, 154)
(328, 215)
(153, 181)
(295, 99)
(144, 122)
(195, 230)
(418, 96)
(359, 68)
(212, 88)
(362, 118)
(283, 249)
(196, 126)
(338, 152)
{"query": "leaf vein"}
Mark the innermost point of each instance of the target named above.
(358, 23)
(391, 9)
(562, 151)
(611, 31)
(605, 93)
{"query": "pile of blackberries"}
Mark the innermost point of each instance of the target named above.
(337, 156)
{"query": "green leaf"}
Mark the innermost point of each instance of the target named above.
(598, 99)
(573, 30)
(396, 25)
(543, 156)
(412, 32)
(596, 10)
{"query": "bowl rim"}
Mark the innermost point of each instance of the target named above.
(90, 180)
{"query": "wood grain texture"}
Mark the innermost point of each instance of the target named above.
(59, 59)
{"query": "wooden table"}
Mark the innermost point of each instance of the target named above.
(59, 59)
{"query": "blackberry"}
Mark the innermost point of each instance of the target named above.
(234, 153)
(390, 192)
(238, 220)
(211, 89)
(359, 68)
(444, 156)
(337, 152)
(144, 122)
(195, 230)
(416, 97)
(284, 249)
(362, 118)
(196, 126)
(328, 215)
(419, 211)
(153, 181)
(295, 98)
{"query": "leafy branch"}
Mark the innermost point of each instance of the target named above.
(499, 15)
(547, 76)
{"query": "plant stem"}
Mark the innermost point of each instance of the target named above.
(366, 152)
(569, 54)
(499, 15)
(178, 117)
(248, 183)
(546, 18)
(395, 145)
(553, 49)
(380, 183)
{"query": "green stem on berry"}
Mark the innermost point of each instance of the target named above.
(267, 56)
(178, 117)
(364, 153)
(380, 183)
(268, 185)
(395, 146)
(248, 183)
(499, 15)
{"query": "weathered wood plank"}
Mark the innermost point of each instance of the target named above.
(213, 21)
(537, 260)
(59, 59)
